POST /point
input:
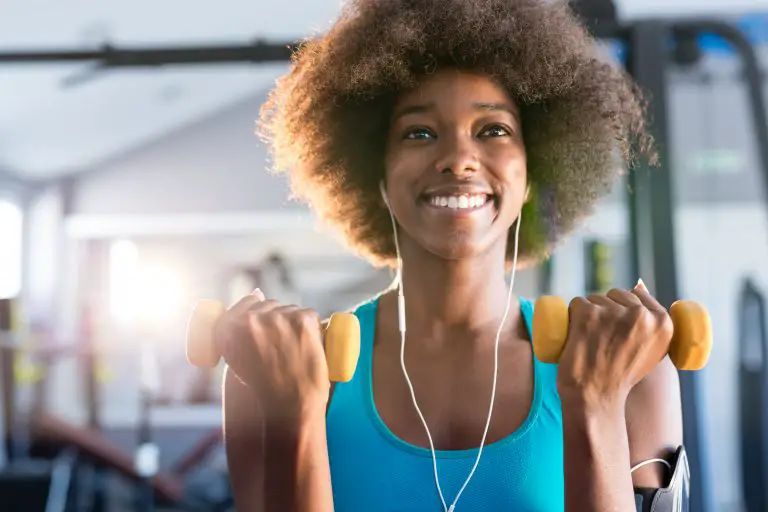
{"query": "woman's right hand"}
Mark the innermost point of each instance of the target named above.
(277, 351)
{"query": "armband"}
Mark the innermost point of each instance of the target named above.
(673, 498)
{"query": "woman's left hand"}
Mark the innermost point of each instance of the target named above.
(614, 341)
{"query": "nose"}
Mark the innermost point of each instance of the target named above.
(458, 156)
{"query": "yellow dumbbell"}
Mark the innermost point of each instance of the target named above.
(341, 339)
(689, 350)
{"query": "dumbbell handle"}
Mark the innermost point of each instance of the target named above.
(689, 350)
(341, 340)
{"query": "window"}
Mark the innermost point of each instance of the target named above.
(123, 270)
(11, 249)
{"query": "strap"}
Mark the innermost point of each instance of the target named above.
(673, 498)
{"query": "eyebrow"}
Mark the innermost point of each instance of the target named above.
(427, 107)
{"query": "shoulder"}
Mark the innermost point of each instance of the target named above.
(365, 312)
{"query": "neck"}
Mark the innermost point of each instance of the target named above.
(466, 295)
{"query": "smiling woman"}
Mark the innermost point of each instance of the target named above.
(454, 140)
(328, 119)
(436, 156)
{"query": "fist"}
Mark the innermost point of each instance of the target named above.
(614, 341)
(276, 350)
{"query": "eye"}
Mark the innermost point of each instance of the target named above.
(418, 134)
(496, 130)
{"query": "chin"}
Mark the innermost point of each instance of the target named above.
(456, 246)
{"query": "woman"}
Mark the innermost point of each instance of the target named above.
(483, 131)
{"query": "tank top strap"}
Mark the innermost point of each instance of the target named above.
(545, 372)
(347, 395)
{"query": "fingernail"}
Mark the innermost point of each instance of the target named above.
(641, 285)
(258, 293)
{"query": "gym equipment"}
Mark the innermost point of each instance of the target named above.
(689, 350)
(188, 485)
(649, 45)
(341, 338)
(91, 443)
(753, 392)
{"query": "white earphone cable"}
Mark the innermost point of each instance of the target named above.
(401, 322)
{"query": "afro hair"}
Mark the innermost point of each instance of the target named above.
(327, 119)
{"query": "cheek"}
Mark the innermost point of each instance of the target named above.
(512, 172)
(405, 163)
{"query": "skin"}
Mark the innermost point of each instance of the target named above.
(619, 391)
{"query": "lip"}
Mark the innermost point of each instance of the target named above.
(457, 189)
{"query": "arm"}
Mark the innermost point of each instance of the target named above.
(604, 438)
(655, 424)
(293, 449)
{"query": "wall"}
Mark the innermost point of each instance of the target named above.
(211, 166)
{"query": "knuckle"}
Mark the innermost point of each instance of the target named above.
(269, 319)
(579, 305)
(665, 324)
(639, 316)
(638, 312)
(616, 293)
(308, 318)
(267, 304)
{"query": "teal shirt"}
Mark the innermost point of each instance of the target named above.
(374, 471)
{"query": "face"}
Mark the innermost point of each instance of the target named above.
(455, 165)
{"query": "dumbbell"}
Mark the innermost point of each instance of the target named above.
(689, 350)
(341, 339)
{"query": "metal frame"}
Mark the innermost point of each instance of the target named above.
(652, 198)
(652, 227)
(753, 390)
(110, 57)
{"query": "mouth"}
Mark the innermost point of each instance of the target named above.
(461, 203)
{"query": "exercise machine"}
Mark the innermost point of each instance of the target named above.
(753, 396)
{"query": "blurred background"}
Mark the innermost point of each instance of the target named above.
(132, 185)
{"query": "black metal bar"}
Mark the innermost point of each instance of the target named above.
(652, 227)
(7, 379)
(753, 414)
(111, 57)
(754, 81)
(62, 479)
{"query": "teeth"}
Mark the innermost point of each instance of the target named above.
(461, 202)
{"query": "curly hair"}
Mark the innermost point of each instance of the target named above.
(327, 119)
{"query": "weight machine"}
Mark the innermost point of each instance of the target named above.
(753, 392)
(649, 47)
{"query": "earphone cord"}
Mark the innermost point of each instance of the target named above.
(401, 322)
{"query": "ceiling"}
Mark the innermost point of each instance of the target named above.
(49, 128)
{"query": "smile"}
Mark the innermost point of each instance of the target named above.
(460, 201)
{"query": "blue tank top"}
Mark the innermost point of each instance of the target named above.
(372, 470)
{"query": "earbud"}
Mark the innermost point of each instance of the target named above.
(384, 193)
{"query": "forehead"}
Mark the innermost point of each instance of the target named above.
(454, 88)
